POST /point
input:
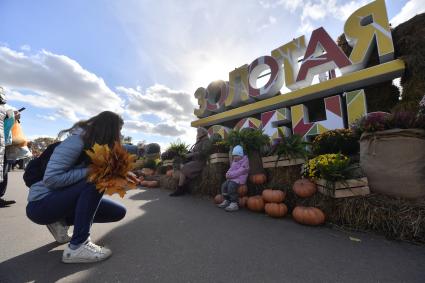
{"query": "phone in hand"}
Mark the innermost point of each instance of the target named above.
(21, 109)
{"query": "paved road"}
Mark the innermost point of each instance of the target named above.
(187, 239)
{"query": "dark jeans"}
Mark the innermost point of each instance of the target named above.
(79, 205)
(3, 185)
(229, 190)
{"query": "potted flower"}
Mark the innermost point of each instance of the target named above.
(335, 175)
(219, 152)
(287, 151)
(175, 153)
(336, 141)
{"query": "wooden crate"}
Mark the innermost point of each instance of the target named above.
(349, 188)
(270, 161)
(219, 158)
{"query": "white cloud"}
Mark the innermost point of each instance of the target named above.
(191, 45)
(314, 10)
(163, 129)
(161, 101)
(47, 117)
(270, 21)
(411, 9)
(26, 47)
(57, 82)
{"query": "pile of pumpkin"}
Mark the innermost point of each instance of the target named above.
(271, 201)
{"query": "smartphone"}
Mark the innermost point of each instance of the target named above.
(22, 109)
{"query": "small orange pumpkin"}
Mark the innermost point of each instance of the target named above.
(277, 210)
(308, 215)
(258, 179)
(255, 203)
(243, 201)
(304, 188)
(218, 199)
(242, 190)
(275, 196)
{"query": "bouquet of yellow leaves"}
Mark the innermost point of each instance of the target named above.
(109, 168)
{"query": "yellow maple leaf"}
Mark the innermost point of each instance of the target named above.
(108, 168)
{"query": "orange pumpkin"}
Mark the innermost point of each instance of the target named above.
(243, 201)
(277, 210)
(169, 173)
(304, 188)
(255, 203)
(218, 199)
(275, 196)
(258, 179)
(242, 190)
(308, 215)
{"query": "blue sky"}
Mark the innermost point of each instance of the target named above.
(68, 60)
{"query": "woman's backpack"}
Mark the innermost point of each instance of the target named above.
(34, 172)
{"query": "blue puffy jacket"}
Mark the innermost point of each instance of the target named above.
(61, 170)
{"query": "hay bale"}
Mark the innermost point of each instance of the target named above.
(210, 180)
(396, 219)
(283, 176)
(168, 182)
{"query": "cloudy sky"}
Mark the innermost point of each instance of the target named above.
(69, 60)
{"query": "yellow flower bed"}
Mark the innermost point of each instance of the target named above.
(311, 168)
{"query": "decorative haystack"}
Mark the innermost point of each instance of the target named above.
(409, 44)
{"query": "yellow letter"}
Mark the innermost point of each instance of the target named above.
(366, 27)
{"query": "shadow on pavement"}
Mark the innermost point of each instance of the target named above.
(40, 265)
(187, 239)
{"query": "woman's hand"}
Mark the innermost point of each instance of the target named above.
(132, 178)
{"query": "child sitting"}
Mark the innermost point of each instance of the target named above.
(235, 177)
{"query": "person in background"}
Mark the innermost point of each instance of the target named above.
(235, 177)
(17, 150)
(6, 122)
(198, 155)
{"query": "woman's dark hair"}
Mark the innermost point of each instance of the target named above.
(103, 128)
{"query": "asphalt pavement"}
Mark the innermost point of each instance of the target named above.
(188, 239)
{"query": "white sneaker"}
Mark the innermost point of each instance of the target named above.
(224, 204)
(87, 252)
(59, 231)
(233, 206)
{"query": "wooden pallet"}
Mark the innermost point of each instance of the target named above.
(219, 158)
(349, 188)
(270, 161)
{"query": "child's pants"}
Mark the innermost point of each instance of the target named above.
(229, 190)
